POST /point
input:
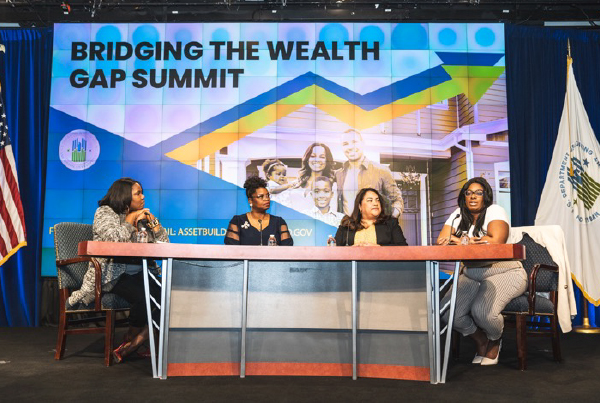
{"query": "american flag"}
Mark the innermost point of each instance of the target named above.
(12, 220)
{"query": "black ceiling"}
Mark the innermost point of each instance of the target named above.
(46, 12)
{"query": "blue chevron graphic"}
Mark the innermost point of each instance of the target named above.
(399, 89)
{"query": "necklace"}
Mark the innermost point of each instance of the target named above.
(258, 218)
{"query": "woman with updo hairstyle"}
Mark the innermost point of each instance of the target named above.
(256, 226)
(484, 288)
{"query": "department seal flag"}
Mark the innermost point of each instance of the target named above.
(571, 195)
(12, 220)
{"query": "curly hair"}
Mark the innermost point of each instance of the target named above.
(354, 220)
(305, 170)
(118, 197)
(466, 216)
(252, 184)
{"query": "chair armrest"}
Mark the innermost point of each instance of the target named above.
(98, 275)
(532, 283)
(548, 267)
(79, 259)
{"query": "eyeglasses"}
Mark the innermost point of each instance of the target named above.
(265, 196)
(468, 193)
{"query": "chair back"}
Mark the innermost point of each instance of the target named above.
(67, 236)
(538, 254)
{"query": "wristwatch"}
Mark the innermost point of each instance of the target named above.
(153, 223)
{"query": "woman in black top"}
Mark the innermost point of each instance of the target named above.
(256, 226)
(369, 225)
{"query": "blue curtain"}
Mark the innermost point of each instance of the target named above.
(25, 71)
(536, 71)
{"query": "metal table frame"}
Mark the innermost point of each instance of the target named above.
(438, 366)
(430, 255)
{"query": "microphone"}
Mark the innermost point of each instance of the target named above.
(260, 223)
(452, 227)
(347, 234)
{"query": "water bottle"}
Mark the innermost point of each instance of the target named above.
(142, 236)
(272, 240)
(331, 241)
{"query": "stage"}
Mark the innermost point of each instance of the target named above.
(29, 372)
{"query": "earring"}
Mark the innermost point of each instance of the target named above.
(250, 205)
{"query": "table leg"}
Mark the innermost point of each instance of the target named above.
(450, 322)
(433, 322)
(149, 312)
(436, 291)
(354, 318)
(165, 316)
(244, 321)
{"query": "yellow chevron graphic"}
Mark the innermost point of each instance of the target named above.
(468, 80)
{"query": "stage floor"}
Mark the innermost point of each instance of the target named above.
(28, 372)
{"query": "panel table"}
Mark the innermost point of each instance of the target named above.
(345, 311)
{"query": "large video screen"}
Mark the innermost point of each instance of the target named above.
(192, 110)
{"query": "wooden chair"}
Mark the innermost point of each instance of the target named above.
(540, 301)
(71, 269)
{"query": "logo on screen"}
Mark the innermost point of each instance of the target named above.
(79, 150)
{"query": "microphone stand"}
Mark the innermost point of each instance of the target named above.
(452, 227)
(260, 223)
(347, 235)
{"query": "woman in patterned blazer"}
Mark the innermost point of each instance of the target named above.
(118, 219)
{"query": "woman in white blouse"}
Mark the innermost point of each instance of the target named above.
(484, 288)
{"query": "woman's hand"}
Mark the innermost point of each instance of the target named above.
(452, 240)
(477, 241)
(134, 216)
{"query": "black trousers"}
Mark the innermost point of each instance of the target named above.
(131, 288)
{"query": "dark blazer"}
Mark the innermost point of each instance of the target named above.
(388, 233)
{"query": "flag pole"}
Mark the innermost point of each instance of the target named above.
(585, 326)
(569, 62)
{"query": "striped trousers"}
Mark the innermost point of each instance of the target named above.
(482, 294)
